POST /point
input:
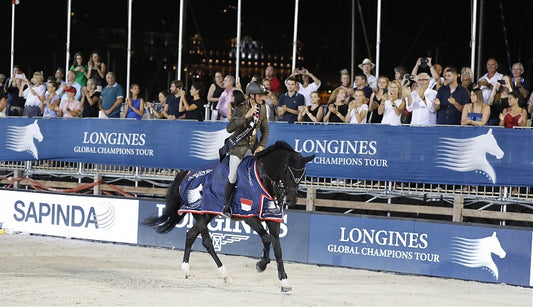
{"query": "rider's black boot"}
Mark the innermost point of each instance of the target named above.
(228, 196)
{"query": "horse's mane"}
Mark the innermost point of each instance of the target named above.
(277, 146)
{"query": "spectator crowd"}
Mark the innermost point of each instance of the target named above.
(429, 94)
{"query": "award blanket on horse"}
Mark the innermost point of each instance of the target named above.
(202, 191)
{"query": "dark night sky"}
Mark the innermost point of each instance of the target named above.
(409, 29)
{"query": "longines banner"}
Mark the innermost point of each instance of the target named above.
(447, 155)
(228, 237)
(458, 251)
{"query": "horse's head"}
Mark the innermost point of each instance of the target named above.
(491, 146)
(283, 169)
(495, 246)
(36, 131)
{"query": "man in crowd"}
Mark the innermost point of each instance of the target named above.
(487, 82)
(450, 99)
(112, 96)
(289, 102)
(171, 110)
(520, 84)
(224, 104)
(71, 82)
(360, 84)
(275, 84)
(367, 66)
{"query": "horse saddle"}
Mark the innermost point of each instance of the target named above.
(202, 191)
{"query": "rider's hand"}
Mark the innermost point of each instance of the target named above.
(260, 148)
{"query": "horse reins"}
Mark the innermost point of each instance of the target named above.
(278, 186)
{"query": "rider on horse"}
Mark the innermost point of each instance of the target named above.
(249, 116)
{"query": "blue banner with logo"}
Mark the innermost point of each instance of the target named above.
(442, 155)
(228, 236)
(466, 252)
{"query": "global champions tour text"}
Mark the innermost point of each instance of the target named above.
(383, 238)
(116, 139)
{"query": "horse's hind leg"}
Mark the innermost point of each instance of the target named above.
(274, 229)
(256, 225)
(201, 223)
(189, 241)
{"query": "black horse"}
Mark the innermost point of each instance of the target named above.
(280, 170)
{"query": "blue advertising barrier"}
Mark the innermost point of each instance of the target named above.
(488, 254)
(228, 237)
(466, 252)
(447, 155)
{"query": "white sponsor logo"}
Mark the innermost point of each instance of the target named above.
(477, 253)
(464, 155)
(205, 144)
(20, 139)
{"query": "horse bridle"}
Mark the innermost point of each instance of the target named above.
(280, 190)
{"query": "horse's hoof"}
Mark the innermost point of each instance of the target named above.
(228, 280)
(225, 275)
(286, 290)
(260, 268)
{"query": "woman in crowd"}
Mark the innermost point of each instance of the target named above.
(467, 77)
(375, 100)
(313, 113)
(514, 115)
(476, 113)
(82, 70)
(337, 109)
(134, 104)
(345, 85)
(193, 109)
(70, 107)
(215, 90)
(357, 109)
(97, 70)
(393, 106)
(51, 99)
(156, 110)
(89, 99)
(16, 87)
(498, 99)
(3, 102)
(271, 102)
(32, 107)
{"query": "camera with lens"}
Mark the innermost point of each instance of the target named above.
(502, 82)
(409, 77)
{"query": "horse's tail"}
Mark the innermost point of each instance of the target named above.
(170, 216)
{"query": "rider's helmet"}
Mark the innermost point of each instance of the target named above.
(256, 88)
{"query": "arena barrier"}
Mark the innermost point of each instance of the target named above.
(487, 254)
(481, 156)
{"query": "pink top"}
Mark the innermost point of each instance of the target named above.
(73, 105)
(224, 102)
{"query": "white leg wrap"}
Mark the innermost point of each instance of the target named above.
(185, 268)
(284, 283)
(225, 274)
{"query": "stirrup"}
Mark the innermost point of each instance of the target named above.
(226, 212)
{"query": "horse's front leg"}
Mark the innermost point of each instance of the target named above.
(256, 225)
(189, 241)
(274, 229)
(202, 222)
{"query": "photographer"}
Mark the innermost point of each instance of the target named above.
(435, 70)
(305, 88)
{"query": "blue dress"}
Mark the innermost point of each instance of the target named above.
(136, 103)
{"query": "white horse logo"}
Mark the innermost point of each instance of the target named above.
(464, 155)
(205, 144)
(20, 139)
(477, 253)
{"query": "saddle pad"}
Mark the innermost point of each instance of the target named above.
(202, 191)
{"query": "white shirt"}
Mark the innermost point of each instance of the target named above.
(389, 114)
(485, 89)
(33, 100)
(423, 110)
(372, 81)
(306, 91)
(353, 119)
